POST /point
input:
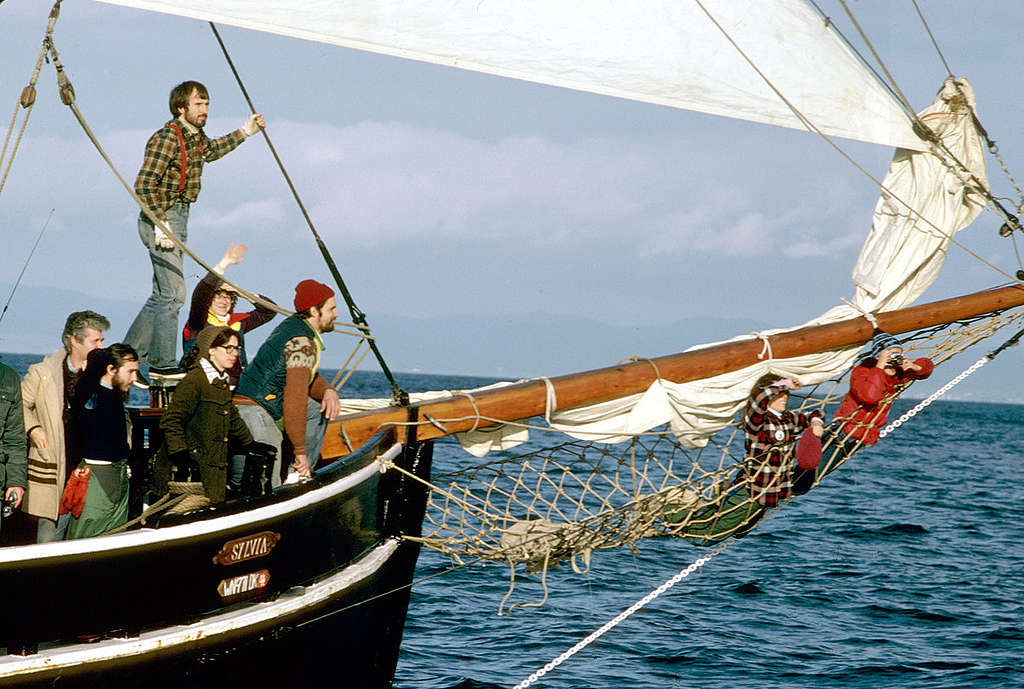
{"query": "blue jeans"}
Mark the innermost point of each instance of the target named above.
(154, 332)
(48, 530)
(265, 430)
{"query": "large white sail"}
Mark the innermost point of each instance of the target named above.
(668, 52)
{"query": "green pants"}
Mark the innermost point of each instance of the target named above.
(734, 516)
(106, 502)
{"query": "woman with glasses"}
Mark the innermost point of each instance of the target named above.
(202, 428)
(213, 303)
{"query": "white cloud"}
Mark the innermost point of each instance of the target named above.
(252, 215)
(372, 184)
(383, 182)
(823, 248)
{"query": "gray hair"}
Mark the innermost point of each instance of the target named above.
(77, 323)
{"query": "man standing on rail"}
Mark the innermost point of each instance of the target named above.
(167, 184)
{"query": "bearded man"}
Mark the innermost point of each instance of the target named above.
(97, 493)
(167, 184)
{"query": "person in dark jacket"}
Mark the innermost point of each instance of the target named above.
(13, 457)
(97, 493)
(202, 428)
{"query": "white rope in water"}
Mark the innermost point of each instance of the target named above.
(607, 626)
(934, 396)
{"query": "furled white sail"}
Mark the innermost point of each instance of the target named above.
(906, 248)
(668, 52)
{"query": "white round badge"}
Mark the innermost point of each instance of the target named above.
(780, 435)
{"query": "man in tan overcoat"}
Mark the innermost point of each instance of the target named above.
(46, 393)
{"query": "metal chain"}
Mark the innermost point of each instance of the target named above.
(994, 150)
(934, 396)
(682, 574)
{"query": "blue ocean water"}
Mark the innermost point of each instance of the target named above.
(905, 568)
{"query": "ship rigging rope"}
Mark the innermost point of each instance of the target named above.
(549, 505)
(813, 128)
(27, 99)
(935, 43)
(923, 129)
(946, 341)
(25, 264)
(398, 395)
(992, 147)
(941, 351)
(703, 560)
(958, 337)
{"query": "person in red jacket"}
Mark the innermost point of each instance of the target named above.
(874, 385)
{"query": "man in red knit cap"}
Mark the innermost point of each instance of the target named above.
(280, 395)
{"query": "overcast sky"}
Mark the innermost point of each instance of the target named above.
(448, 192)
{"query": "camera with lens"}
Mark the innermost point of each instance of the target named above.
(8, 508)
(896, 360)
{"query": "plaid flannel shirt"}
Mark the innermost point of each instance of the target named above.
(770, 440)
(159, 180)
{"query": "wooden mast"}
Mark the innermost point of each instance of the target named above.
(528, 399)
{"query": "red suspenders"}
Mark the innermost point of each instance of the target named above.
(184, 157)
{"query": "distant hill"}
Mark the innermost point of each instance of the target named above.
(519, 345)
(536, 344)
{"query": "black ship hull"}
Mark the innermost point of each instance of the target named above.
(264, 591)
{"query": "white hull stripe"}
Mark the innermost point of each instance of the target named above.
(206, 630)
(184, 532)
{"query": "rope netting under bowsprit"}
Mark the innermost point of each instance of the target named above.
(562, 502)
